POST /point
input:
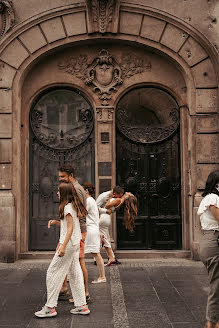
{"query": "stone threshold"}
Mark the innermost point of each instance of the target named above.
(121, 254)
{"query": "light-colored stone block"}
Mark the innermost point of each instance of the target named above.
(198, 198)
(14, 54)
(203, 170)
(7, 231)
(206, 100)
(33, 39)
(192, 52)
(6, 198)
(7, 74)
(5, 101)
(130, 23)
(173, 37)
(5, 126)
(152, 28)
(207, 148)
(75, 24)
(207, 123)
(197, 225)
(5, 150)
(53, 29)
(5, 176)
(7, 251)
(204, 75)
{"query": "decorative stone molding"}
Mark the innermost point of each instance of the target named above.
(102, 16)
(6, 16)
(105, 114)
(104, 73)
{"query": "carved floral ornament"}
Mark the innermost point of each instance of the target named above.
(104, 74)
(6, 16)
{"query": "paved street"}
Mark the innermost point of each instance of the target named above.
(142, 293)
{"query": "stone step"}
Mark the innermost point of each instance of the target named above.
(121, 254)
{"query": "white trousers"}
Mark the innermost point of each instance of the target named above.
(57, 271)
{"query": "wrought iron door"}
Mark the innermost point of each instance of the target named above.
(61, 132)
(148, 165)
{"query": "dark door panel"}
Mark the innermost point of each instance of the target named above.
(61, 132)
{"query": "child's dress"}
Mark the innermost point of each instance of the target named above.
(67, 264)
(92, 241)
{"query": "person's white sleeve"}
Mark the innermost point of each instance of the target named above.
(210, 199)
(102, 210)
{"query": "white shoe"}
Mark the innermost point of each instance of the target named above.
(46, 312)
(80, 310)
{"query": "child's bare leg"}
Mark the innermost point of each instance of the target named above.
(100, 265)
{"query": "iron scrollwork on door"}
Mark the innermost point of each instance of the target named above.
(146, 134)
(62, 121)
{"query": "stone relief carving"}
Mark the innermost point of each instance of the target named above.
(102, 15)
(104, 73)
(6, 16)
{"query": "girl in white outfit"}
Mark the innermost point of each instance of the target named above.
(92, 241)
(66, 258)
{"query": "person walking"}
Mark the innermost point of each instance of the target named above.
(209, 245)
(66, 258)
(92, 241)
(66, 174)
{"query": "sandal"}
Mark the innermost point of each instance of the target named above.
(88, 299)
(110, 263)
(98, 281)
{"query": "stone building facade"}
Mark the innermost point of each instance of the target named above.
(126, 91)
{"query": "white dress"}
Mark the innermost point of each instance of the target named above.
(105, 221)
(92, 241)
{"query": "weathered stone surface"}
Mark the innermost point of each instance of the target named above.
(207, 124)
(53, 29)
(5, 150)
(5, 101)
(152, 28)
(6, 198)
(197, 225)
(14, 54)
(207, 148)
(5, 125)
(5, 176)
(206, 100)
(7, 251)
(173, 37)
(35, 34)
(7, 74)
(75, 24)
(192, 52)
(130, 23)
(203, 170)
(204, 75)
(7, 231)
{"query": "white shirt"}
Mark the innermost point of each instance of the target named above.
(92, 219)
(76, 234)
(208, 221)
(102, 200)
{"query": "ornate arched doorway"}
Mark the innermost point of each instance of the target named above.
(61, 132)
(148, 165)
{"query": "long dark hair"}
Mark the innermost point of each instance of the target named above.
(211, 182)
(68, 194)
(130, 212)
(88, 186)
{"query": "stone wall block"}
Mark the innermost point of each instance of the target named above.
(203, 170)
(207, 123)
(53, 29)
(5, 101)
(7, 74)
(192, 52)
(35, 34)
(130, 23)
(5, 176)
(152, 28)
(5, 126)
(207, 148)
(14, 54)
(75, 24)
(7, 251)
(7, 231)
(204, 75)
(5, 150)
(173, 37)
(206, 100)
(197, 225)
(6, 198)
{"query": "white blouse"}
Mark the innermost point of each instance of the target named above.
(208, 222)
(76, 234)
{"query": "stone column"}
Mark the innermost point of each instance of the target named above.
(105, 153)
